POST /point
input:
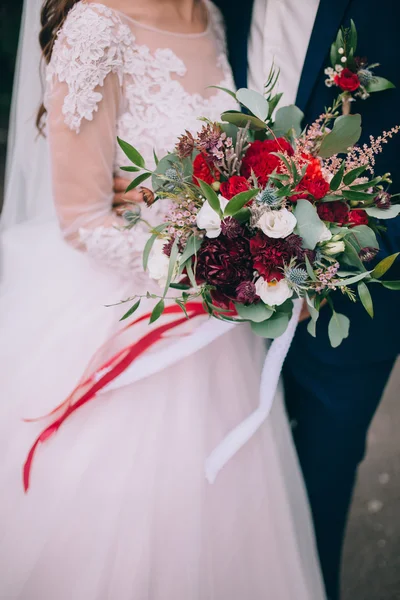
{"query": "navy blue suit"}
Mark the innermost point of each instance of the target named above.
(332, 394)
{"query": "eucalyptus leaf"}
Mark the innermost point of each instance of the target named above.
(362, 236)
(131, 311)
(157, 311)
(309, 268)
(273, 328)
(238, 202)
(338, 329)
(241, 120)
(131, 152)
(388, 213)
(350, 257)
(137, 181)
(366, 299)
(286, 119)
(379, 84)
(384, 266)
(354, 279)
(150, 243)
(314, 314)
(309, 225)
(345, 133)
(254, 101)
(257, 313)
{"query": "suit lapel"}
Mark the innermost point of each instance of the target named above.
(328, 20)
(238, 19)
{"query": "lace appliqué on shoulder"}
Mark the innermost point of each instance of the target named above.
(91, 45)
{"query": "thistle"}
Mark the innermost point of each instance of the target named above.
(172, 174)
(268, 197)
(296, 277)
(365, 76)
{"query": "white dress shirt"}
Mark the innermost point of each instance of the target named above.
(280, 33)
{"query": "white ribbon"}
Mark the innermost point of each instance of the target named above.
(155, 362)
(239, 436)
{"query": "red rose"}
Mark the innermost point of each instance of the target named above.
(204, 171)
(269, 256)
(333, 212)
(259, 159)
(233, 186)
(317, 187)
(357, 217)
(347, 80)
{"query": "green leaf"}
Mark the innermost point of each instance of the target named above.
(358, 196)
(179, 286)
(150, 243)
(157, 311)
(240, 120)
(338, 329)
(210, 196)
(333, 54)
(273, 103)
(131, 311)
(384, 266)
(345, 133)
(366, 299)
(238, 202)
(337, 178)
(223, 89)
(309, 268)
(189, 271)
(130, 169)
(353, 175)
(155, 157)
(379, 213)
(350, 257)
(314, 314)
(254, 101)
(172, 264)
(131, 152)
(256, 313)
(309, 225)
(379, 84)
(353, 279)
(243, 215)
(359, 187)
(286, 119)
(273, 327)
(391, 285)
(362, 236)
(192, 246)
(353, 36)
(137, 181)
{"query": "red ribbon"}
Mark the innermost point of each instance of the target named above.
(119, 362)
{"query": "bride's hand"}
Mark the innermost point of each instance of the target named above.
(305, 313)
(122, 199)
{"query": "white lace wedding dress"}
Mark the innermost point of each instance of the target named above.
(119, 507)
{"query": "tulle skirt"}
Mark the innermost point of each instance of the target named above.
(119, 507)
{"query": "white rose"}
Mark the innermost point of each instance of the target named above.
(333, 248)
(277, 223)
(210, 220)
(158, 262)
(273, 293)
(326, 234)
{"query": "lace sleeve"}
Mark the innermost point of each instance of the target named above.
(89, 47)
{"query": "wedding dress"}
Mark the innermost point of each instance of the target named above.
(119, 507)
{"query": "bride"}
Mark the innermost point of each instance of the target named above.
(119, 507)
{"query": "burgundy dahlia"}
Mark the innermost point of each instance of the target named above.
(225, 263)
(246, 292)
(270, 255)
(231, 228)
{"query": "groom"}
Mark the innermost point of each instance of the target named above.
(332, 394)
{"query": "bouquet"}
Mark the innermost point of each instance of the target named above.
(264, 212)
